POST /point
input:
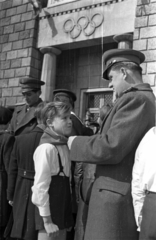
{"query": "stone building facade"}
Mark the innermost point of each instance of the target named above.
(63, 46)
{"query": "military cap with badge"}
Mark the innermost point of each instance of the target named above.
(64, 93)
(30, 84)
(114, 56)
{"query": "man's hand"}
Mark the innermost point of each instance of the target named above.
(70, 140)
(50, 227)
(139, 222)
(11, 203)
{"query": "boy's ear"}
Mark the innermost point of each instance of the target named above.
(49, 122)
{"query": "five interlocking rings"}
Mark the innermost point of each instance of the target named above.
(70, 25)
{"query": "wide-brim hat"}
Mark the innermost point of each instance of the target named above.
(65, 93)
(5, 115)
(114, 56)
(29, 84)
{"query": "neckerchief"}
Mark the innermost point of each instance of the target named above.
(49, 136)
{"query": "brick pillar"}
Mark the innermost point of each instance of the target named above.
(49, 71)
(144, 38)
(19, 56)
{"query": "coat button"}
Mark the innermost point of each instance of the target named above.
(24, 173)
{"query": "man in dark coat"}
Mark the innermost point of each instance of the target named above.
(111, 213)
(6, 144)
(85, 188)
(23, 120)
(20, 180)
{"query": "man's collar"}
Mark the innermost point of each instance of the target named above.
(138, 87)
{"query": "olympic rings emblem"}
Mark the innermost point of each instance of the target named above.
(70, 26)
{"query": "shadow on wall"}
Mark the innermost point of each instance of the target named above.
(51, 24)
(142, 8)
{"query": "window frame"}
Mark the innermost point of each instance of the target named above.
(83, 99)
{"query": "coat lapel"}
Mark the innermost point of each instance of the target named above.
(104, 120)
(25, 117)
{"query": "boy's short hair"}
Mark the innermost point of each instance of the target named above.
(54, 109)
(39, 111)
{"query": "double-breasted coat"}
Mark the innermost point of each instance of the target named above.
(23, 120)
(20, 181)
(111, 214)
(84, 187)
(79, 129)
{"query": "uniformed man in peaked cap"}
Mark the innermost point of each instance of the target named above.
(65, 93)
(111, 214)
(23, 119)
(116, 58)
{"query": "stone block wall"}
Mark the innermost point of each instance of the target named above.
(145, 38)
(18, 54)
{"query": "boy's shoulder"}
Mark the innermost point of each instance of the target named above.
(47, 146)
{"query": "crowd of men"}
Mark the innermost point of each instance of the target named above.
(112, 179)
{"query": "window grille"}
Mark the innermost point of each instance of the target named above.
(95, 101)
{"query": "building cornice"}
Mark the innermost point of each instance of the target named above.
(74, 7)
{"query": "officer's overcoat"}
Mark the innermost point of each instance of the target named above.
(20, 181)
(111, 214)
(23, 120)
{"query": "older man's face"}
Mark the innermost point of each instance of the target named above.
(117, 82)
(31, 97)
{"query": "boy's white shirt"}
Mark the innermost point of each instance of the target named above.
(144, 172)
(47, 165)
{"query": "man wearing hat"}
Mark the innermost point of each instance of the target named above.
(23, 120)
(111, 213)
(79, 129)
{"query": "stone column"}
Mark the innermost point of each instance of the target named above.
(49, 72)
(124, 40)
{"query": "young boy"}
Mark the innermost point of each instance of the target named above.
(51, 189)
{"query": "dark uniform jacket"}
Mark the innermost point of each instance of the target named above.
(111, 214)
(20, 181)
(23, 120)
(6, 144)
(83, 198)
(78, 129)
